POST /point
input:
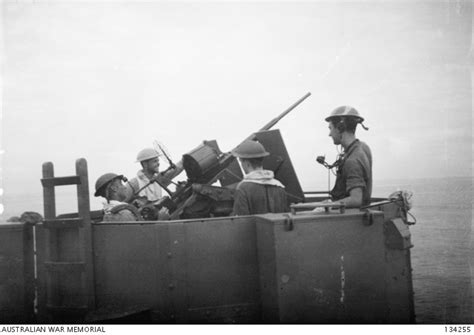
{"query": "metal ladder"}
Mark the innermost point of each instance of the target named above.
(65, 262)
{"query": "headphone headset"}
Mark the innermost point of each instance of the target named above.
(341, 125)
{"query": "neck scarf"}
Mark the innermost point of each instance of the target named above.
(263, 177)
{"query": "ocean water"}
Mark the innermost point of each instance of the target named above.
(442, 256)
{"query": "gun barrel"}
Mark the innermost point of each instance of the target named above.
(273, 122)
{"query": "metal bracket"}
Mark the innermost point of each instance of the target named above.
(288, 224)
(369, 215)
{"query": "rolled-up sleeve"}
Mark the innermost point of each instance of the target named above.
(354, 175)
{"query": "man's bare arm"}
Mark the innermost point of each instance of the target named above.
(354, 199)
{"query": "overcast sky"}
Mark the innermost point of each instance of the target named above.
(103, 80)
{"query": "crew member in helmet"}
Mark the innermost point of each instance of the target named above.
(259, 192)
(111, 187)
(149, 181)
(354, 169)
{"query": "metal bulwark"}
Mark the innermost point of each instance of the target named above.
(189, 271)
(328, 269)
(16, 273)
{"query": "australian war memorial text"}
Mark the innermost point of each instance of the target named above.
(52, 329)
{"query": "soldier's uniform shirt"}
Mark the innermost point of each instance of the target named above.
(121, 215)
(260, 193)
(152, 192)
(355, 171)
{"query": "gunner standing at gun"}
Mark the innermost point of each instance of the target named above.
(149, 181)
(354, 167)
(258, 192)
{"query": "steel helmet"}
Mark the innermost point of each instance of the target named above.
(250, 149)
(345, 111)
(146, 154)
(103, 180)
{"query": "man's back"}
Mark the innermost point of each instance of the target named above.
(253, 198)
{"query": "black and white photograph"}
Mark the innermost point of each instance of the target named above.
(236, 162)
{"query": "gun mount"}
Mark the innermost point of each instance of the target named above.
(207, 164)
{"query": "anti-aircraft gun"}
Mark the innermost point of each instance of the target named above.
(207, 164)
